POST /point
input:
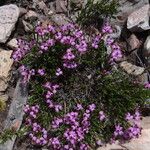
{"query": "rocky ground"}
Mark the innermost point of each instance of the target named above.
(17, 19)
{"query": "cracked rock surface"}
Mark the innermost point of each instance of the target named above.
(8, 17)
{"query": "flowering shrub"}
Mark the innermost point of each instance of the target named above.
(78, 100)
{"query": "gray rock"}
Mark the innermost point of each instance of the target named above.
(126, 7)
(131, 69)
(134, 42)
(114, 146)
(145, 122)
(147, 47)
(8, 17)
(12, 43)
(60, 19)
(5, 67)
(143, 78)
(147, 106)
(5, 63)
(3, 85)
(27, 26)
(41, 5)
(3, 97)
(61, 6)
(31, 15)
(50, 13)
(139, 19)
(22, 11)
(15, 114)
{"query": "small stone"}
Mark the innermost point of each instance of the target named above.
(22, 11)
(5, 63)
(27, 26)
(61, 6)
(60, 19)
(77, 3)
(50, 12)
(114, 146)
(31, 15)
(3, 85)
(43, 7)
(134, 42)
(8, 17)
(5, 67)
(13, 44)
(139, 19)
(45, 23)
(16, 125)
(147, 47)
(145, 122)
(15, 114)
(4, 97)
(143, 78)
(132, 69)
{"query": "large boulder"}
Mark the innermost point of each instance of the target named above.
(5, 67)
(8, 17)
(126, 7)
(139, 19)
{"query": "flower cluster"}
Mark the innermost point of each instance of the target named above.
(59, 72)
(147, 85)
(107, 28)
(23, 48)
(102, 116)
(69, 59)
(134, 129)
(26, 73)
(51, 90)
(77, 130)
(46, 45)
(31, 112)
(38, 134)
(116, 52)
(41, 72)
(55, 143)
(96, 41)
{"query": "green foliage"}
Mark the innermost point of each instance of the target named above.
(2, 105)
(8, 134)
(95, 12)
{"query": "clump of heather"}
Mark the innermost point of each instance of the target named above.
(77, 100)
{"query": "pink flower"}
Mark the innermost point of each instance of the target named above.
(41, 72)
(147, 85)
(59, 72)
(102, 116)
